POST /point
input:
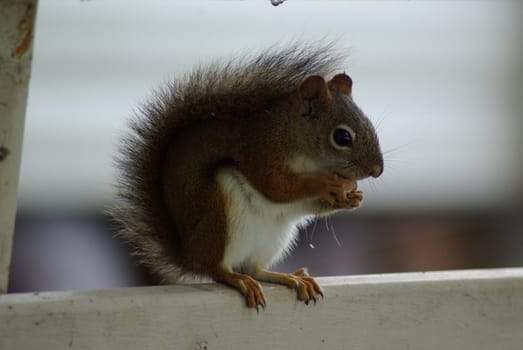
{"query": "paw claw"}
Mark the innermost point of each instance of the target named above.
(306, 287)
(250, 288)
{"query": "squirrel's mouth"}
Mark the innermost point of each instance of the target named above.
(355, 178)
(344, 177)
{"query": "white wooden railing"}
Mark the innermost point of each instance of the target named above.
(16, 36)
(475, 309)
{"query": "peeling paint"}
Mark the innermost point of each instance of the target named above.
(202, 345)
(25, 27)
(4, 152)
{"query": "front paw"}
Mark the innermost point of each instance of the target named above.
(336, 190)
(354, 199)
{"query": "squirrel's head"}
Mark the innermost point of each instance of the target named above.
(336, 135)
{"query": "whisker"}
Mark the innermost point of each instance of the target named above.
(397, 148)
(372, 184)
(313, 230)
(389, 169)
(396, 161)
(388, 157)
(379, 122)
(335, 236)
(306, 229)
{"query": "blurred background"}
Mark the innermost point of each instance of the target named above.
(442, 81)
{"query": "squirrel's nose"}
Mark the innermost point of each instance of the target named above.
(376, 170)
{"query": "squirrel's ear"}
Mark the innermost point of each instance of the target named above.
(314, 87)
(341, 83)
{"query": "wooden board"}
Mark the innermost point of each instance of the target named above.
(475, 309)
(16, 37)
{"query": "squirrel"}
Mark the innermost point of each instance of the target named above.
(223, 166)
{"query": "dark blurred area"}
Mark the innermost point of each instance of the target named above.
(81, 252)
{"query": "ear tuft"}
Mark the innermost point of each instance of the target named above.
(341, 83)
(314, 87)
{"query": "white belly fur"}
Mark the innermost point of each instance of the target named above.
(259, 231)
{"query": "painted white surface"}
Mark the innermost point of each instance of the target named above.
(475, 309)
(16, 25)
(442, 79)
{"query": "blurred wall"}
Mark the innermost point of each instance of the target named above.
(442, 81)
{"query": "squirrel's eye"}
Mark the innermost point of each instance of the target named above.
(342, 137)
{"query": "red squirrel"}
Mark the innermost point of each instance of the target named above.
(221, 168)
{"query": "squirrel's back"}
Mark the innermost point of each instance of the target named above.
(235, 89)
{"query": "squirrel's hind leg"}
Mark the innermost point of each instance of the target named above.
(306, 287)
